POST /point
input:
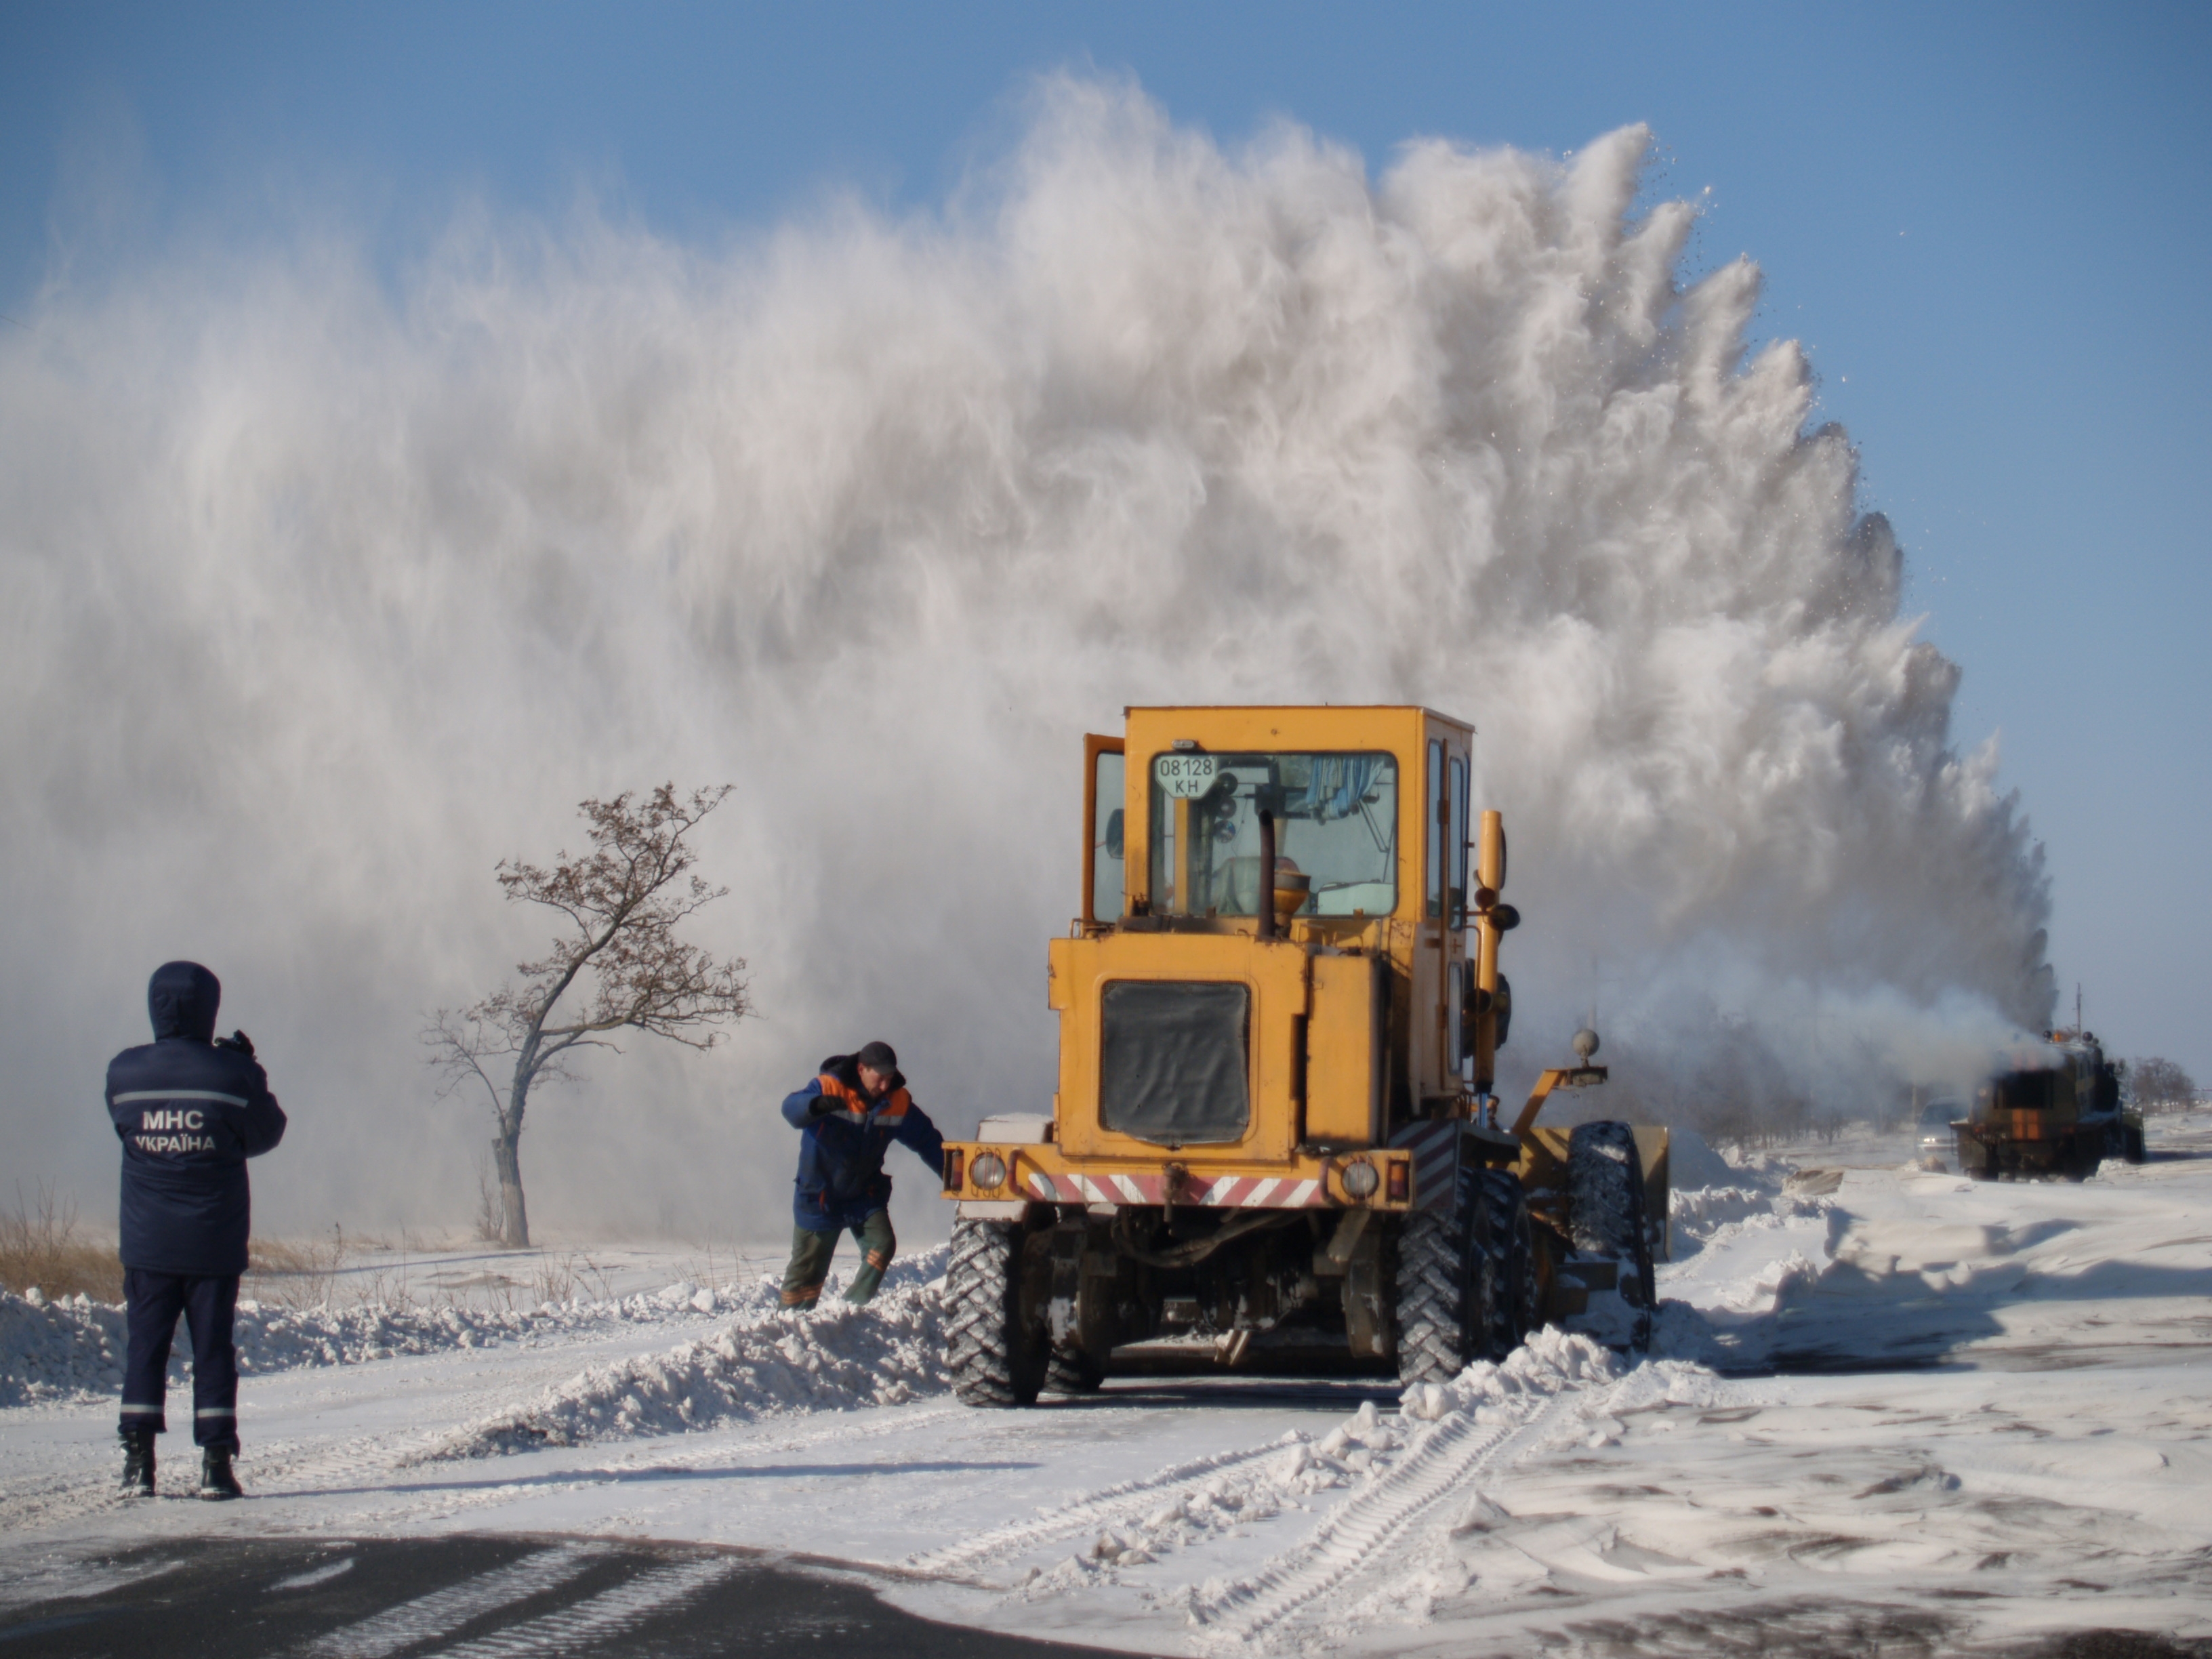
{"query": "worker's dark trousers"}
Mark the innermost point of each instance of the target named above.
(155, 1301)
(810, 1262)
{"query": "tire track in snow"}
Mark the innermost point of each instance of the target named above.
(1357, 1530)
(1100, 1508)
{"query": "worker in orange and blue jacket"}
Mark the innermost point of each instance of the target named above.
(848, 1117)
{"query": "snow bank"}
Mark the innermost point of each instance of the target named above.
(1700, 1215)
(1551, 1361)
(63, 1351)
(57, 1350)
(1691, 1162)
(769, 1359)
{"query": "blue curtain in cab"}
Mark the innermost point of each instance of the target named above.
(1338, 785)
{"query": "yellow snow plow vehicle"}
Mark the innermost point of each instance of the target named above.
(1274, 1135)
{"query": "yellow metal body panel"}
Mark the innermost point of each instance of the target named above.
(1275, 972)
(1344, 1037)
(1543, 1165)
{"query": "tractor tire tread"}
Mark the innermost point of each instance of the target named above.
(1071, 1370)
(1429, 1332)
(1605, 1205)
(985, 1347)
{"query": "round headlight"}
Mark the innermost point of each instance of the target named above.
(988, 1169)
(1360, 1179)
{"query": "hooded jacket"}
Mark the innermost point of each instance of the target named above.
(841, 1157)
(189, 1114)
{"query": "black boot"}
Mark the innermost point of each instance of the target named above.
(138, 1462)
(216, 1481)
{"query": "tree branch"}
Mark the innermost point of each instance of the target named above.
(623, 899)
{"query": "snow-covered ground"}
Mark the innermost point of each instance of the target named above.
(1886, 1407)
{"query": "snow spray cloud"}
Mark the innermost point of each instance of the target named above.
(323, 592)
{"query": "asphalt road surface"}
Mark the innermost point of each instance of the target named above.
(465, 1598)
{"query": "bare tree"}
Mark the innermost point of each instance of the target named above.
(2155, 1085)
(624, 901)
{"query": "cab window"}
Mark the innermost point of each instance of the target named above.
(1336, 818)
(1455, 832)
(1108, 874)
(1434, 835)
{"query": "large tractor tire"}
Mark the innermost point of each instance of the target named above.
(996, 1354)
(1465, 1280)
(1069, 1369)
(2138, 1150)
(1504, 1263)
(1605, 1206)
(1975, 1159)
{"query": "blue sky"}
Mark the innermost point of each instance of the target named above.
(1990, 225)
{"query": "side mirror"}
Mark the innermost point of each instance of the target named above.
(1115, 844)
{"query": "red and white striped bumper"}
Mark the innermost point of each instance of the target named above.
(1416, 1172)
(1149, 1186)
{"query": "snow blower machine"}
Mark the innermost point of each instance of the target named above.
(1274, 1141)
(2056, 1121)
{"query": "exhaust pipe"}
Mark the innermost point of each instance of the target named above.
(1267, 928)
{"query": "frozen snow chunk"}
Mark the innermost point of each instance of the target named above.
(1425, 1401)
(1481, 1514)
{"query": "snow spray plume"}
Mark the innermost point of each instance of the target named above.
(321, 596)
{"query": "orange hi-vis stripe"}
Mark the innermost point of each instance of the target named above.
(892, 1110)
(854, 1099)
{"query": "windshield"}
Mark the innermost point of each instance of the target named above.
(1336, 821)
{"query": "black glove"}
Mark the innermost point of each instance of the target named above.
(238, 1040)
(823, 1106)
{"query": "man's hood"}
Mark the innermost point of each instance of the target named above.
(182, 997)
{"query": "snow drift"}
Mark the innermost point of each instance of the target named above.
(324, 589)
(770, 1360)
(65, 1350)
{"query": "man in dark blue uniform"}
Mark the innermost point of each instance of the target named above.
(848, 1117)
(189, 1110)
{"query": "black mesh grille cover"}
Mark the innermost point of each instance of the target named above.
(1171, 1060)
